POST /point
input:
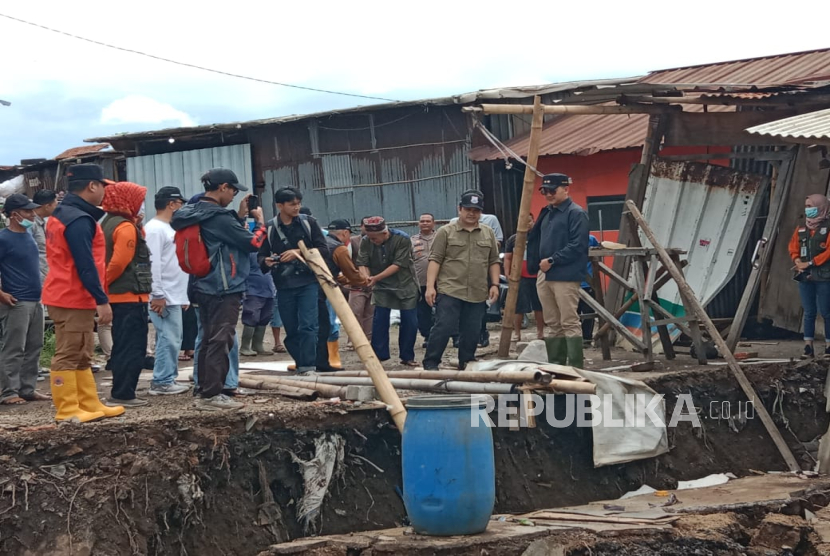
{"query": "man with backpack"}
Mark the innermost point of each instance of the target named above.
(210, 231)
(297, 287)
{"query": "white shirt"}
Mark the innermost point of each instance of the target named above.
(169, 280)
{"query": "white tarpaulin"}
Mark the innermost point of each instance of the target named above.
(617, 441)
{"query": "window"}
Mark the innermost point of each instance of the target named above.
(605, 213)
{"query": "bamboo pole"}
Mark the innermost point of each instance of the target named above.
(263, 382)
(571, 109)
(361, 344)
(563, 386)
(515, 274)
(283, 389)
(416, 384)
(692, 301)
(510, 377)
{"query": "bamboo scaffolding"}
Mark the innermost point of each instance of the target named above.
(331, 288)
(415, 384)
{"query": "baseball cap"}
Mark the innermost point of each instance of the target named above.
(552, 181)
(472, 199)
(169, 193)
(18, 201)
(87, 172)
(217, 176)
(339, 224)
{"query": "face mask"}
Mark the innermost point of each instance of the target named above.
(26, 223)
(811, 212)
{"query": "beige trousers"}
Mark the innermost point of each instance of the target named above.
(559, 306)
(360, 303)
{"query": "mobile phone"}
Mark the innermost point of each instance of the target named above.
(253, 202)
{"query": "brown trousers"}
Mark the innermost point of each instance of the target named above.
(74, 338)
(360, 302)
(559, 305)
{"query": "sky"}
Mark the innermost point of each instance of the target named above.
(63, 90)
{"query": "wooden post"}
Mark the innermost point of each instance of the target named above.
(637, 182)
(361, 344)
(765, 249)
(596, 281)
(515, 274)
(689, 297)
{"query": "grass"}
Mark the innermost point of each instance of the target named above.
(48, 348)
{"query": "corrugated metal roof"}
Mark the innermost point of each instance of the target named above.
(813, 125)
(785, 69)
(82, 151)
(582, 135)
(465, 98)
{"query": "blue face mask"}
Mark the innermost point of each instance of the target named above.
(26, 223)
(811, 212)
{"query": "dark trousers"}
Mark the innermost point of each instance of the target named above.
(299, 313)
(452, 316)
(129, 346)
(406, 336)
(425, 317)
(587, 324)
(218, 317)
(324, 329)
(191, 329)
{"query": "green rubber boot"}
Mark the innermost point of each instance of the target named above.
(245, 343)
(557, 350)
(258, 341)
(576, 356)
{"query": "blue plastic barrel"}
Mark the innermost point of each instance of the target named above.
(449, 475)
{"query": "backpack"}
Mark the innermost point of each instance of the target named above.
(192, 252)
(274, 225)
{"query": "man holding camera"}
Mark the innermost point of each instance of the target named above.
(297, 288)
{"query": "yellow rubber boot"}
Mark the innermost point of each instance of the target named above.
(334, 356)
(64, 387)
(88, 396)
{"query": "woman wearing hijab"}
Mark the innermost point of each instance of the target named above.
(129, 283)
(809, 252)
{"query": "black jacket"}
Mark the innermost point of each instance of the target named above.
(294, 274)
(562, 233)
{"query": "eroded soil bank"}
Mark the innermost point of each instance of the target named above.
(232, 484)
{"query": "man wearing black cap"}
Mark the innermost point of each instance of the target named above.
(73, 292)
(168, 300)
(21, 313)
(219, 293)
(558, 247)
(464, 257)
(298, 292)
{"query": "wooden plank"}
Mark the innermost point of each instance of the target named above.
(753, 155)
(614, 276)
(720, 128)
(645, 320)
(572, 109)
(604, 342)
(765, 248)
(521, 233)
(689, 297)
(670, 318)
(662, 330)
(526, 406)
(616, 325)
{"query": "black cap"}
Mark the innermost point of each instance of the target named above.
(217, 176)
(552, 181)
(169, 193)
(339, 224)
(472, 199)
(18, 201)
(87, 172)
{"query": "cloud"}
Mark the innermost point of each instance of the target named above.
(143, 110)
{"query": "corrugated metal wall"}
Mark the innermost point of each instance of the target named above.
(397, 164)
(183, 169)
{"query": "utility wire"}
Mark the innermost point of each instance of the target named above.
(194, 66)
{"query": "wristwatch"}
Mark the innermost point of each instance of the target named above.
(550, 260)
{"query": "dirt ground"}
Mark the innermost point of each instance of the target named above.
(167, 479)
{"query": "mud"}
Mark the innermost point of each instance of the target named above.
(191, 483)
